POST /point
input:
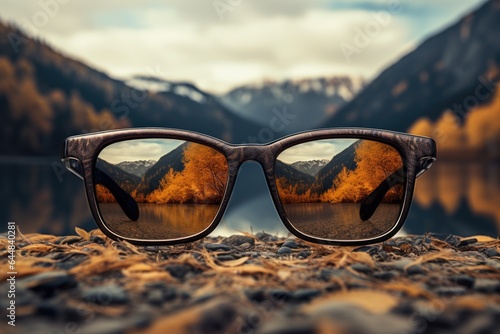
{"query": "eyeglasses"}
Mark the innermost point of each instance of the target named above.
(154, 186)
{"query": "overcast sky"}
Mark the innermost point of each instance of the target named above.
(236, 42)
(138, 149)
(315, 150)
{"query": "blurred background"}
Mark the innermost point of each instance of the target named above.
(251, 71)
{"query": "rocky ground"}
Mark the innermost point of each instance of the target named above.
(87, 283)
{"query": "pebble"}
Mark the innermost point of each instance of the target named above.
(284, 250)
(225, 257)
(48, 281)
(305, 295)
(327, 273)
(463, 280)
(450, 291)
(263, 236)
(362, 268)
(255, 295)
(415, 270)
(467, 242)
(303, 254)
(367, 249)
(487, 285)
(238, 240)
(386, 275)
(290, 244)
(111, 294)
(155, 297)
(97, 239)
(217, 247)
(490, 252)
(214, 319)
(279, 295)
(179, 271)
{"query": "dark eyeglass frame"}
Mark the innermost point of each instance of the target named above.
(80, 154)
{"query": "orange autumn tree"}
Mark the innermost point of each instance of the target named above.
(203, 179)
(293, 193)
(103, 194)
(374, 163)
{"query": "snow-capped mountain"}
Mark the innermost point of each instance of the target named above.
(311, 167)
(310, 100)
(137, 168)
(154, 84)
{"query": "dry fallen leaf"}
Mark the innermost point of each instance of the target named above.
(82, 233)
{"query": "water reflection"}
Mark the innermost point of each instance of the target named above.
(449, 198)
(159, 221)
(469, 191)
(40, 200)
(341, 221)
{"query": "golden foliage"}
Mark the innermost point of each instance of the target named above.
(203, 179)
(375, 162)
(291, 193)
(480, 131)
(103, 194)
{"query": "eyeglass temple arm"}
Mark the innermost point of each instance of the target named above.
(373, 200)
(126, 202)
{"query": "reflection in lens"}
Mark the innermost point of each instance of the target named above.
(341, 189)
(159, 188)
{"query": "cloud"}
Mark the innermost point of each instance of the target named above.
(315, 150)
(138, 149)
(255, 39)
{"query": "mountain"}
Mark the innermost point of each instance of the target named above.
(293, 176)
(155, 173)
(452, 70)
(324, 178)
(46, 96)
(312, 101)
(137, 168)
(126, 181)
(311, 167)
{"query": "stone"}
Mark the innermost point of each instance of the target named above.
(463, 280)
(415, 270)
(284, 250)
(362, 268)
(305, 295)
(303, 255)
(217, 247)
(97, 239)
(179, 271)
(263, 236)
(155, 297)
(225, 257)
(290, 244)
(111, 294)
(49, 280)
(487, 285)
(386, 275)
(279, 295)
(238, 240)
(490, 252)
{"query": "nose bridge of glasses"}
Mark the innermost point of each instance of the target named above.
(259, 153)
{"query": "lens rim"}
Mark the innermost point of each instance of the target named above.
(327, 240)
(101, 216)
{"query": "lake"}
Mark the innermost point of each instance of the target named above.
(458, 198)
